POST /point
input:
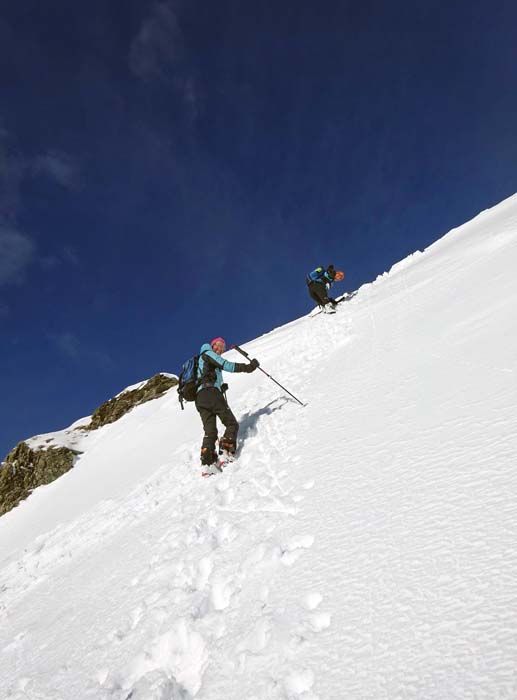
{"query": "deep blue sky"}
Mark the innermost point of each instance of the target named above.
(169, 171)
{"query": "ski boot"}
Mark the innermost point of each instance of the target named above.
(209, 462)
(211, 469)
(328, 309)
(226, 451)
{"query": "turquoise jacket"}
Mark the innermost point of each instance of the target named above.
(210, 370)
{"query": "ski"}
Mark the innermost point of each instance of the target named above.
(318, 310)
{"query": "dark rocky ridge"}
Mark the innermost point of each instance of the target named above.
(115, 408)
(25, 467)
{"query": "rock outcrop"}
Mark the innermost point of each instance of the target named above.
(24, 469)
(41, 460)
(115, 408)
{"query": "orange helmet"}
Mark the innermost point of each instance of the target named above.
(340, 276)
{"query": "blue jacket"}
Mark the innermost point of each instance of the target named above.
(319, 275)
(209, 371)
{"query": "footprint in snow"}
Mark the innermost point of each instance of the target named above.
(311, 601)
(221, 593)
(257, 638)
(225, 533)
(226, 498)
(317, 621)
(298, 684)
(294, 548)
(137, 615)
(170, 668)
(156, 685)
(204, 569)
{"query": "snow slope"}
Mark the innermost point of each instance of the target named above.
(361, 548)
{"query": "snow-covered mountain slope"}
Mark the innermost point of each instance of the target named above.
(363, 547)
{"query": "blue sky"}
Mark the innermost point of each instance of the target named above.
(169, 171)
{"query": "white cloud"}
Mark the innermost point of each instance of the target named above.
(159, 45)
(16, 253)
(70, 256)
(159, 52)
(60, 167)
(66, 256)
(49, 262)
(68, 344)
(15, 168)
(12, 169)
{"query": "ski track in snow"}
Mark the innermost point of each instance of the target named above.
(362, 547)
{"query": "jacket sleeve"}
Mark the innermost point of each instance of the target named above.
(328, 281)
(218, 361)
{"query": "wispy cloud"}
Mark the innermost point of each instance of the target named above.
(12, 168)
(70, 346)
(16, 253)
(16, 167)
(49, 262)
(60, 167)
(159, 45)
(159, 52)
(69, 256)
(17, 249)
(66, 256)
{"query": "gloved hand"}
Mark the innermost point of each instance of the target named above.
(245, 367)
(224, 388)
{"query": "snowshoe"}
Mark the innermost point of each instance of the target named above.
(226, 451)
(211, 469)
(225, 458)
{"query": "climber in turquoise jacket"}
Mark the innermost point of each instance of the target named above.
(211, 366)
(211, 402)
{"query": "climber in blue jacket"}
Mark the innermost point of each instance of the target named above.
(319, 282)
(211, 403)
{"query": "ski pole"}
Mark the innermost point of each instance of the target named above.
(242, 352)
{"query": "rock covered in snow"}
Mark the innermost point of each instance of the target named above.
(42, 459)
(115, 408)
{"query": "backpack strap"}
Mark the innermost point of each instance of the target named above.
(207, 361)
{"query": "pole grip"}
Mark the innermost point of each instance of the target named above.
(242, 352)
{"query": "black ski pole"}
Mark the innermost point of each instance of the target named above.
(243, 352)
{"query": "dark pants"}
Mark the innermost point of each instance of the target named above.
(318, 292)
(211, 405)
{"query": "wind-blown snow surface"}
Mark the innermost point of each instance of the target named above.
(363, 547)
